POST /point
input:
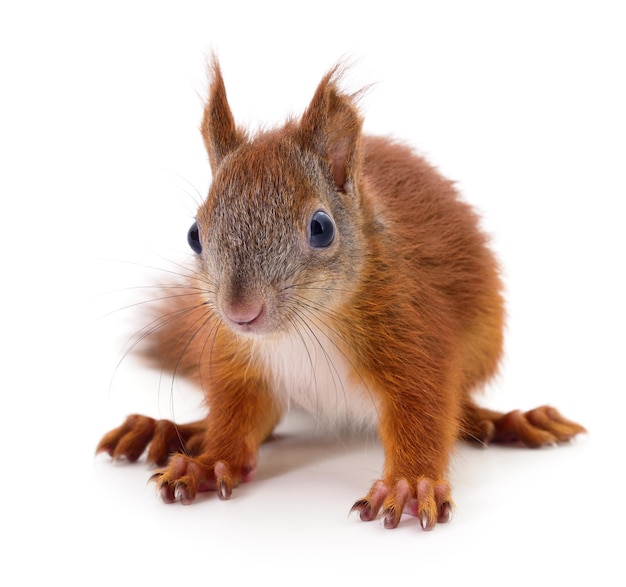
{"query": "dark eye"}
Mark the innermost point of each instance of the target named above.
(193, 238)
(322, 230)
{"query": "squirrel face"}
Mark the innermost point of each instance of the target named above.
(274, 237)
(279, 235)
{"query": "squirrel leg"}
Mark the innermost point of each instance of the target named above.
(417, 440)
(238, 421)
(161, 437)
(542, 426)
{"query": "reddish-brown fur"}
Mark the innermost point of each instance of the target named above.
(408, 293)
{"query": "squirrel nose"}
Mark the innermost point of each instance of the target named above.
(244, 313)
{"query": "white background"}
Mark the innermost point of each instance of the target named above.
(100, 158)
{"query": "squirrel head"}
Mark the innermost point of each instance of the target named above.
(279, 236)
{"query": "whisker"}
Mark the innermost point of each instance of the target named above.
(313, 309)
(334, 372)
(190, 334)
(295, 324)
(152, 327)
(314, 286)
(316, 308)
(155, 300)
(187, 271)
(196, 197)
(213, 338)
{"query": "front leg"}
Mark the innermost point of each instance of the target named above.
(417, 430)
(242, 414)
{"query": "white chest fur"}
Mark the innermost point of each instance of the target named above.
(314, 375)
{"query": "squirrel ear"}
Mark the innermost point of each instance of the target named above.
(331, 125)
(220, 134)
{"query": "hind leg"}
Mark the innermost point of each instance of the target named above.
(539, 427)
(161, 437)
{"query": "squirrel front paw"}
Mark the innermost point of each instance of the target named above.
(429, 500)
(184, 477)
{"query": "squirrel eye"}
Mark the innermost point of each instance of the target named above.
(321, 230)
(193, 238)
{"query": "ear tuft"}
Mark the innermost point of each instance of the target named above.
(219, 131)
(331, 126)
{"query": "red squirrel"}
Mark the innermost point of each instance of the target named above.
(342, 274)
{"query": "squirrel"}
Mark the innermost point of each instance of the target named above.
(340, 273)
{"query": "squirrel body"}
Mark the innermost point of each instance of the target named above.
(342, 274)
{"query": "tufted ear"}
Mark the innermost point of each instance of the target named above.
(220, 134)
(331, 126)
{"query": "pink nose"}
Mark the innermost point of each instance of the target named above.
(244, 314)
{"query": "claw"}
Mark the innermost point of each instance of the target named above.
(392, 518)
(370, 505)
(223, 480)
(445, 513)
(165, 494)
(426, 522)
(365, 510)
(178, 492)
(181, 494)
(224, 490)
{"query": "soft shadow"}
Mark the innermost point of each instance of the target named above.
(301, 445)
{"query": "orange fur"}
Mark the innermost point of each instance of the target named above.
(404, 306)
